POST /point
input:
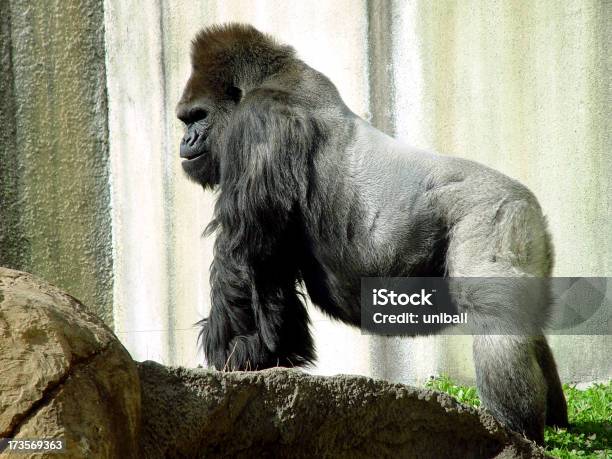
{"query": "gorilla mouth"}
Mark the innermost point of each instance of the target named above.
(189, 159)
(192, 147)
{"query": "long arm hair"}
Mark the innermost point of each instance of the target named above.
(257, 318)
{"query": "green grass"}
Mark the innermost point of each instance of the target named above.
(590, 415)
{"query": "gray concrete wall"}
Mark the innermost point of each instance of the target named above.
(54, 163)
(93, 197)
(520, 87)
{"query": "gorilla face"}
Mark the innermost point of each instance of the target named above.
(204, 114)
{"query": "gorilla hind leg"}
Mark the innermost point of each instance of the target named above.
(510, 382)
(503, 315)
(508, 244)
(556, 406)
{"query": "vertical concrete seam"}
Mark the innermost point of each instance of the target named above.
(107, 217)
(167, 183)
(381, 95)
(601, 90)
(106, 7)
(380, 64)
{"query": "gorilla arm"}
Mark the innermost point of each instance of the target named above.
(257, 319)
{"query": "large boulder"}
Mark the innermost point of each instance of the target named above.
(287, 413)
(63, 374)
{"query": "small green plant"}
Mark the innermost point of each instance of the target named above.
(590, 415)
(463, 394)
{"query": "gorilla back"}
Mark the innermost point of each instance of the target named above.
(309, 192)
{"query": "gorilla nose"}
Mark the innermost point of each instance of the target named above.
(189, 114)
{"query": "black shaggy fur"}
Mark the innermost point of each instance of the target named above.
(258, 220)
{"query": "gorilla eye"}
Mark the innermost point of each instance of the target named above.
(234, 93)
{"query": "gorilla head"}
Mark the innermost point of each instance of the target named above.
(309, 193)
(226, 62)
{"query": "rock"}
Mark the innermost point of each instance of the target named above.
(63, 373)
(287, 413)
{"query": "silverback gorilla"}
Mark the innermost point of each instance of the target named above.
(310, 193)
